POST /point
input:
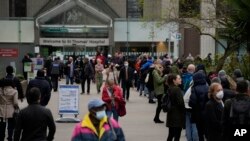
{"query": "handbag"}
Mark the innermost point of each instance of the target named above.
(121, 111)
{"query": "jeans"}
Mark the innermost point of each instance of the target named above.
(142, 87)
(68, 78)
(191, 130)
(114, 112)
(11, 126)
(150, 94)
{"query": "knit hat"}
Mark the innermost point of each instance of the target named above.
(222, 74)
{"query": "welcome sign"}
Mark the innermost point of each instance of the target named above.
(75, 41)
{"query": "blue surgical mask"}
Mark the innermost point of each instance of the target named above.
(126, 65)
(100, 114)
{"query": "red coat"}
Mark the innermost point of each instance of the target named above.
(117, 94)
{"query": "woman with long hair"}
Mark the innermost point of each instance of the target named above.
(159, 81)
(8, 103)
(213, 112)
(176, 114)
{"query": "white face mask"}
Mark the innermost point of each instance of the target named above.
(101, 114)
(220, 94)
(126, 65)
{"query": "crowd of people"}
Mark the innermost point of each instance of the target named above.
(208, 105)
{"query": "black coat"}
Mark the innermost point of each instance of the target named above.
(87, 71)
(198, 97)
(44, 87)
(228, 128)
(122, 76)
(176, 115)
(213, 113)
(32, 122)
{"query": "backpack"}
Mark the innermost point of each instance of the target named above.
(240, 111)
(166, 103)
(150, 82)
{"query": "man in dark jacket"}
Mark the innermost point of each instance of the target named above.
(16, 81)
(198, 100)
(33, 120)
(236, 115)
(26, 59)
(126, 77)
(87, 73)
(41, 83)
(69, 71)
(55, 71)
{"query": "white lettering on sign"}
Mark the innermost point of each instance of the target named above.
(240, 132)
(74, 41)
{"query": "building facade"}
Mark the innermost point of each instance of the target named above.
(80, 27)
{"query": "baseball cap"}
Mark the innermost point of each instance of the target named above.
(93, 103)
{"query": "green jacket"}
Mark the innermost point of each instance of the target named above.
(158, 83)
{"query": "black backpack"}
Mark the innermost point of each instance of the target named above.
(150, 83)
(166, 103)
(240, 111)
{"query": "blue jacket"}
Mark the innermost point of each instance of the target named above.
(146, 65)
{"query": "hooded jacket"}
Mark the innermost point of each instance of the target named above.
(85, 131)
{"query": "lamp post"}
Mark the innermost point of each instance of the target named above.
(152, 47)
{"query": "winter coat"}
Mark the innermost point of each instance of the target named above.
(158, 82)
(8, 98)
(32, 124)
(117, 92)
(176, 115)
(122, 77)
(44, 87)
(198, 97)
(86, 131)
(228, 129)
(87, 71)
(213, 113)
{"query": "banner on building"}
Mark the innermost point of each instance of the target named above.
(91, 42)
(8, 52)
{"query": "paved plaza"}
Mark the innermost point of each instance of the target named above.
(138, 124)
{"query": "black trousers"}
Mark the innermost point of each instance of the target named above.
(126, 89)
(158, 108)
(11, 125)
(174, 132)
(54, 79)
(84, 79)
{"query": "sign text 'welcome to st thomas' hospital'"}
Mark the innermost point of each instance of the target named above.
(74, 41)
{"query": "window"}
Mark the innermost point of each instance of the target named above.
(134, 9)
(189, 8)
(17, 8)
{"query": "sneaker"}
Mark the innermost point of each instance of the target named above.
(82, 92)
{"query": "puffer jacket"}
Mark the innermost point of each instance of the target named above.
(199, 96)
(85, 131)
(8, 98)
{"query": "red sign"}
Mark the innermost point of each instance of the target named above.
(8, 52)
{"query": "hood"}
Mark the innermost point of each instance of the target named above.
(199, 78)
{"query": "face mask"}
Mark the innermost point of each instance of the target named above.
(125, 65)
(100, 115)
(220, 94)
